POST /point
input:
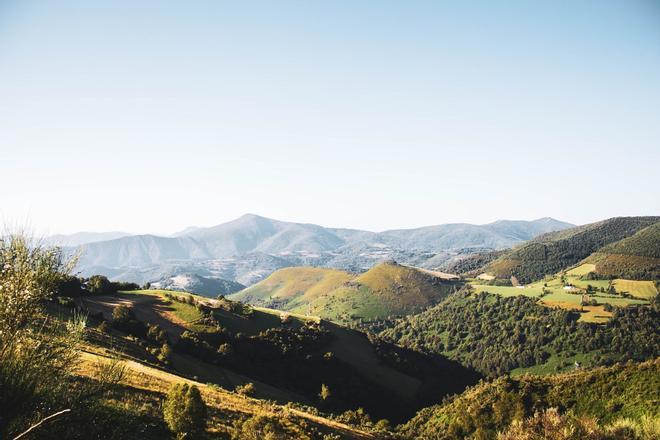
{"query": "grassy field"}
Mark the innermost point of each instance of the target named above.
(557, 296)
(507, 291)
(183, 313)
(581, 270)
(638, 289)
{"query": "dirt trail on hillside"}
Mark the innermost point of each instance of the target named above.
(147, 308)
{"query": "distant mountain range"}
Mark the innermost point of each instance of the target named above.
(198, 284)
(249, 248)
(80, 238)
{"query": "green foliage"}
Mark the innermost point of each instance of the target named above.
(165, 353)
(325, 393)
(37, 355)
(607, 394)
(551, 425)
(124, 319)
(472, 263)
(495, 335)
(262, 427)
(100, 285)
(247, 389)
(386, 289)
(555, 251)
(644, 243)
(294, 357)
(184, 411)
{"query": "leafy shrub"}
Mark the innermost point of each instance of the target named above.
(185, 411)
(37, 355)
(247, 389)
(261, 427)
(124, 319)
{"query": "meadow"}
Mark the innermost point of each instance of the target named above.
(552, 292)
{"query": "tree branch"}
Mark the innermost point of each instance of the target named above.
(41, 422)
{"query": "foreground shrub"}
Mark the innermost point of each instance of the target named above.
(185, 411)
(261, 427)
(37, 354)
(550, 425)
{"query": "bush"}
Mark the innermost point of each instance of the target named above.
(260, 427)
(124, 319)
(100, 285)
(550, 425)
(156, 334)
(247, 389)
(37, 355)
(165, 354)
(185, 411)
(66, 302)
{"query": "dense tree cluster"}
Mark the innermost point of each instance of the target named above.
(607, 394)
(72, 286)
(296, 355)
(472, 262)
(555, 251)
(495, 335)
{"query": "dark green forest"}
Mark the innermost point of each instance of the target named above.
(495, 335)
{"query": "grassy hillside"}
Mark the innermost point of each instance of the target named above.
(289, 357)
(293, 285)
(635, 257)
(388, 289)
(144, 385)
(556, 251)
(608, 394)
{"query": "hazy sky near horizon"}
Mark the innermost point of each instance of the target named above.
(152, 116)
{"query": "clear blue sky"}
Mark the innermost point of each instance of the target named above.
(151, 116)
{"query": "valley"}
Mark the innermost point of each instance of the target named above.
(392, 352)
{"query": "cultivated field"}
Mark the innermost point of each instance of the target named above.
(569, 293)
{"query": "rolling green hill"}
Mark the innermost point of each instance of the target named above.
(388, 289)
(608, 394)
(553, 252)
(635, 257)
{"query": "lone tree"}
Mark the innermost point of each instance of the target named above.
(185, 411)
